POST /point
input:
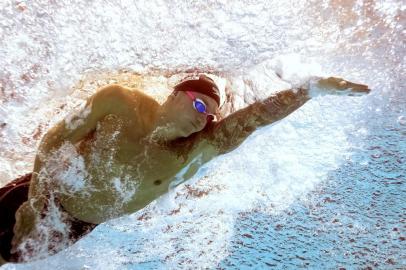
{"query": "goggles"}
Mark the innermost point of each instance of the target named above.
(200, 106)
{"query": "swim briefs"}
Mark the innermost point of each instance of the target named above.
(12, 196)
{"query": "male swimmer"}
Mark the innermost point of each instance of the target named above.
(122, 151)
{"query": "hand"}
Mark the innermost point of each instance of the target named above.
(337, 86)
(341, 84)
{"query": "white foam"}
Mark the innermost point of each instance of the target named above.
(77, 117)
(275, 166)
(402, 120)
(52, 223)
(295, 69)
(125, 187)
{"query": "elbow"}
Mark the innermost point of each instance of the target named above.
(50, 141)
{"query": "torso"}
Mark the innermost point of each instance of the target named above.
(125, 170)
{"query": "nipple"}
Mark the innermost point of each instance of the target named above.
(157, 182)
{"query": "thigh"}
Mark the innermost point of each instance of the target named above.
(12, 196)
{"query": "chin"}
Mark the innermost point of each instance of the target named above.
(189, 130)
(187, 134)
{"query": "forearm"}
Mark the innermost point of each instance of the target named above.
(50, 142)
(283, 103)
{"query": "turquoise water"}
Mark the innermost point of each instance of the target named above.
(355, 220)
(322, 189)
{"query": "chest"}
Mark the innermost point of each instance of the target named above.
(118, 148)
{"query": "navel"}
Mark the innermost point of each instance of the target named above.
(157, 182)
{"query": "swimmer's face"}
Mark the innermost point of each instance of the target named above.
(183, 115)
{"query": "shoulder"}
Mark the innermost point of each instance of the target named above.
(117, 94)
(112, 91)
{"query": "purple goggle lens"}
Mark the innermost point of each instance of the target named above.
(200, 106)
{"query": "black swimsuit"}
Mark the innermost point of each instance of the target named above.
(12, 196)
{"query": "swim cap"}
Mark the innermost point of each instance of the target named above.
(203, 85)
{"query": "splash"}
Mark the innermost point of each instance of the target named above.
(197, 224)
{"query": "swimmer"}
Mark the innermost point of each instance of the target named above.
(122, 151)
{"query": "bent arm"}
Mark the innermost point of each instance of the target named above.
(72, 129)
(77, 126)
(230, 132)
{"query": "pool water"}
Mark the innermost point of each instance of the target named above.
(354, 220)
(324, 188)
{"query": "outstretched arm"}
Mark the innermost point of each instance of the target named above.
(231, 131)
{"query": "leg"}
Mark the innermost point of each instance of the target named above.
(11, 197)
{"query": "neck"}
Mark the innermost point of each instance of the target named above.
(162, 130)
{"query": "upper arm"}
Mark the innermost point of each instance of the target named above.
(230, 132)
(76, 126)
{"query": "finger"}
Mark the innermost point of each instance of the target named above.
(358, 87)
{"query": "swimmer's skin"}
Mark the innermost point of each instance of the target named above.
(153, 144)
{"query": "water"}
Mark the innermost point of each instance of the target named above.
(355, 220)
(322, 189)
